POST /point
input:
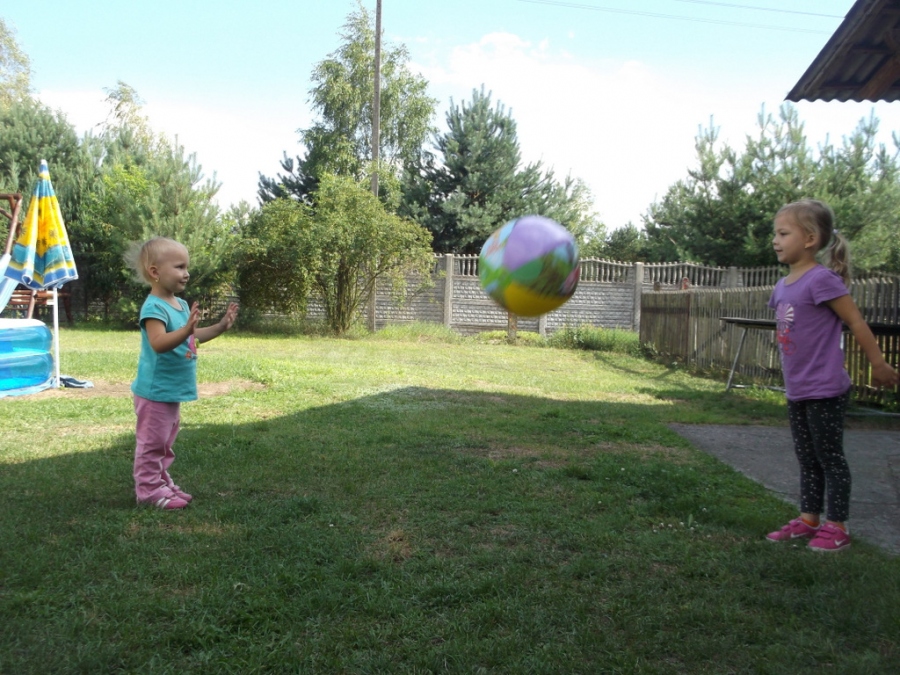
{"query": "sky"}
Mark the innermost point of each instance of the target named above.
(613, 92)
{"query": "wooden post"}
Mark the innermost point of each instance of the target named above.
(731, 278)
(512, 325)
(448, 290)
(373, 306)
(638, 291)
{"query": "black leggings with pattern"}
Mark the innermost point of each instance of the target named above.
(817, 427)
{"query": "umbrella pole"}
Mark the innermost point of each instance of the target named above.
(56, 335)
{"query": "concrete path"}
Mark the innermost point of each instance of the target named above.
(765, 454)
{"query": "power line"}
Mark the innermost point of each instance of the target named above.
(761, 9)
(657, 15)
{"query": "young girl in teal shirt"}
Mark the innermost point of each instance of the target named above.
(167, 367)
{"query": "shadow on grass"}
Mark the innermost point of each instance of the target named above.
(426, 530)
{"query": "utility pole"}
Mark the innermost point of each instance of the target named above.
(376, 103)
(376, 142)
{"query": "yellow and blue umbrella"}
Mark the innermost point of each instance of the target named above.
(41, 256)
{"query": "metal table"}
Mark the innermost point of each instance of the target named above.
(745, 325)
(769, 324)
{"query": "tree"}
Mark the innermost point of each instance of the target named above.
(353, 243)
(569, 202)
(148, 187)
(860, 180)
(721, 214)
(164, 194)
(699, 218)
(340, 142)
(270, 274)
(337, 249)
(626, 244)
(15, 68)
(125, 112)
(30, 132)
(474, 181)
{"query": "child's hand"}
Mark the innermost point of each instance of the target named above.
(883, 375)
(193, 319)
(227, 320)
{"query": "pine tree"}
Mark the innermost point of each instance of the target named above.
(721, 214)
(474, 181)
(149, 186)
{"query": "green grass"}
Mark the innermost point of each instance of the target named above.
(414, 503)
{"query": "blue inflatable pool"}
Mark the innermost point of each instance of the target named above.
(26, 359)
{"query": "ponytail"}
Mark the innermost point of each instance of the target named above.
(837, 256)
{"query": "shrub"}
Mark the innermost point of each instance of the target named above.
(595, 338)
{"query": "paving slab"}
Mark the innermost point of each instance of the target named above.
(766, 455)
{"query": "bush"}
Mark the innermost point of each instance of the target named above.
(597, 339)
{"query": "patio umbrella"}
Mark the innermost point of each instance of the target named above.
(41, 256)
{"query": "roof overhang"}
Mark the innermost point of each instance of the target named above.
(861, 61)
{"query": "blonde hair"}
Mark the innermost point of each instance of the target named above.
(140, 257)
(817, 218)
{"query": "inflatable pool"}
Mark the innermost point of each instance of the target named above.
(26, 361)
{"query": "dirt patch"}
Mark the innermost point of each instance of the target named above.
(123, 389)
(554, 457)
(394, 546)
(501, 454)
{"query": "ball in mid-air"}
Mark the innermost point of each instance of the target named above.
(529, 266)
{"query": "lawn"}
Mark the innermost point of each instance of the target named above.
(408, 503)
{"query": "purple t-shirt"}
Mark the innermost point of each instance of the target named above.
(809, 335)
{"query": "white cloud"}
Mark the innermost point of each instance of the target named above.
(624, 128)
(83, 109)
(611, 124)
(235, 145)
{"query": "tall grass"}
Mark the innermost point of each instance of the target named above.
(414, 505)
(593, 338)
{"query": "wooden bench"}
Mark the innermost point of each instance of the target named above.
(25, 300)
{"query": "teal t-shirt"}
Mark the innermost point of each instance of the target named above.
(170, 377)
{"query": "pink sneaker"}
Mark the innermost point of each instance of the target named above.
(181, 494)
(168, 503)
(174, 488)
(796, 529)
(830, 538)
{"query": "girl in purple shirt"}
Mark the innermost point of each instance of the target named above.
(811, 305)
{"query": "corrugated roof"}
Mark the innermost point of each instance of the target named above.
(861, 61)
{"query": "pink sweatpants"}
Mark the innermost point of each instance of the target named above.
(157, 428)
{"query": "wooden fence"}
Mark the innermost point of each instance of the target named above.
(688, 326)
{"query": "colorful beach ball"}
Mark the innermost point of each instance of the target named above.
(529, 266)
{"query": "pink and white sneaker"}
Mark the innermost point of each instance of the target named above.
(181, 494)
(169, 502)
(830, 538)
(796, 529)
